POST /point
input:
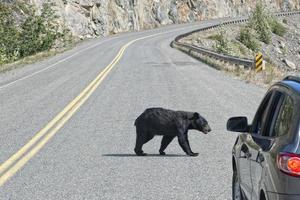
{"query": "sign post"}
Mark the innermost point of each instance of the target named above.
(259, 62)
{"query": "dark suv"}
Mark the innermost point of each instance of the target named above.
(266, 156)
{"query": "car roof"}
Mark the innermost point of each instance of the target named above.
(292, 82)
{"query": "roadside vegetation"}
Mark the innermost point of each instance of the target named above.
(276, 37)
(222, 43)
(25, 31)
(258, 30)
(246, 37)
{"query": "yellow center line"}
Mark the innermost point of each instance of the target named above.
(52, 132)
(42, 132)
(16, 162)
(58, 122)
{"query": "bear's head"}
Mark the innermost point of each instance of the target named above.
(199, 123)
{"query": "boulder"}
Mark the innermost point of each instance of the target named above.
(290, 64)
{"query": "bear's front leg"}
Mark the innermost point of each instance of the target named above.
(184, 143)
(186, 137)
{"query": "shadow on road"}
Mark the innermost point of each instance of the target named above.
(149, 155)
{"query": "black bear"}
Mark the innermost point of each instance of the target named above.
(169, 123)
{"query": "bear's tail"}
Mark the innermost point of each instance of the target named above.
(136, 121)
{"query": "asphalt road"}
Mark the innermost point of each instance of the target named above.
(91, 156)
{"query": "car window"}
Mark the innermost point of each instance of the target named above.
(284, 119)
(261, 114)
(274, 108)
(267, 113)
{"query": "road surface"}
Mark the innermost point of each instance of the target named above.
(90, 155)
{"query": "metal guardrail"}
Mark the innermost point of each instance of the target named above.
(210, 53)
(207, 52)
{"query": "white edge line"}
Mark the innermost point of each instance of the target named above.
(53, 65)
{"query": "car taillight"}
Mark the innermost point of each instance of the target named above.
(289, 163)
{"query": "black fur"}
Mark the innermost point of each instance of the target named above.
(170, 124)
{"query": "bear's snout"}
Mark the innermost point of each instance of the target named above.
(206, 129)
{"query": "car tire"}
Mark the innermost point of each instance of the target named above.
(236, 188)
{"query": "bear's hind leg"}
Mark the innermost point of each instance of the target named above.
(141, 139)
(149, 137)
(166, 140)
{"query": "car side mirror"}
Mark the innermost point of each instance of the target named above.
(238, 124)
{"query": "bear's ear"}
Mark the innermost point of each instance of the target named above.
(196, 115)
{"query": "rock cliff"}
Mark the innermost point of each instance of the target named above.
(90, 18)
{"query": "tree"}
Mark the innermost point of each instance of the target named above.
(259, 22)
(8, 34)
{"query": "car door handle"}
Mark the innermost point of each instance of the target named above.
(246, 155)
(260, 158)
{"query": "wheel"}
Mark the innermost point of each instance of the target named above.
(236, 189)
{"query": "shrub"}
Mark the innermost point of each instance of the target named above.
(26, 37)
(39, 32)
(248, 39)
(276, 27)
(222, 44)
(8, 34)
(259, 22)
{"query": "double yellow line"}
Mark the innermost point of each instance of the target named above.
(11, 166)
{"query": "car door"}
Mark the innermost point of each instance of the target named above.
(262, 152)
(246, 143)
(244, 166)
(262, 140)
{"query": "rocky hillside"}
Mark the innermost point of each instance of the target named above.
(89, 18)
(283, 51)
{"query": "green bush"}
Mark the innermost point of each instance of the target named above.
(35, 34)
(259, 22)
(248, 39)
(276, 27)
(222, 44)
(39, 32)
(263, 24)
(8, 35)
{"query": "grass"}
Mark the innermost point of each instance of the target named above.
(222, 43)
(214, 37)
(27, 60)
(33, 58)
(240, 50)
(277, 27)
(272, 74)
